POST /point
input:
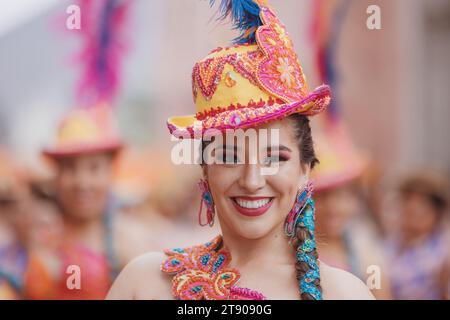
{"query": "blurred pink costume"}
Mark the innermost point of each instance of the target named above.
(94, 274)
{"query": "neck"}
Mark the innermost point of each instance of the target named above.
(271, 249)
(81, 227)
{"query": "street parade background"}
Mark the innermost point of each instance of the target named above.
(385, 157)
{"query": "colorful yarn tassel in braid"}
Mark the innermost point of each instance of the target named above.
(306, 252)
(299, 226)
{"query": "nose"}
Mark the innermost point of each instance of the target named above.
(251, 179)
(82, 180)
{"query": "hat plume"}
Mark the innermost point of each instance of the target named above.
(244, 16)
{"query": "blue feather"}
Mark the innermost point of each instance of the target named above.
(244, 15)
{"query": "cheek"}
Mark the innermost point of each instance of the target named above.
(285, 186)
(100, 179)
(222, 179)
(103, 182)
(422, 217)
(285, 189)
(289, 178)
(66, 180)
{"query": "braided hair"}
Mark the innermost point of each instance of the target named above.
(306, 266)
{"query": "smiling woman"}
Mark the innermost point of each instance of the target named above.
(267, 220)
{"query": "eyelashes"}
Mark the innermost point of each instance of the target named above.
(232, 158)
(223, 157)
(278, 158)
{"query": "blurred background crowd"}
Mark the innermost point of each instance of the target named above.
(86, 177)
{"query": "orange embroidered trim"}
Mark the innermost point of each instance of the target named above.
(207, 74)
(202, 273)
(252, 104)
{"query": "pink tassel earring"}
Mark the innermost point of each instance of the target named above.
(208, 200)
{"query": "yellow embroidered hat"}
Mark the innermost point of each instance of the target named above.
(256, 80)
(85, 131)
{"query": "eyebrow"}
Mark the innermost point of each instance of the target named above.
(270, 148)
(279, 148)
(227, 147)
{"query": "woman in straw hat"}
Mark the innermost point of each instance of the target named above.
(261, 196)
(98, 239)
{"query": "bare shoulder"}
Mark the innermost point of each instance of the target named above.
(142, 279)
(338, 284)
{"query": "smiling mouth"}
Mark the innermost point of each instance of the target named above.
(252, 206)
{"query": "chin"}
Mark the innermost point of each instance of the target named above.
(86, 212)
(254, 232)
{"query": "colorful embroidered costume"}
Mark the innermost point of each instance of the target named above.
(202, 272)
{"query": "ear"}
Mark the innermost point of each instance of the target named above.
(304, 176)
(205, 172)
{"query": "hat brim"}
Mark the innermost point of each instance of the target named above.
(189, 126)
(81, 149)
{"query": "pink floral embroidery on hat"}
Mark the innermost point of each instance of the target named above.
(280, 72)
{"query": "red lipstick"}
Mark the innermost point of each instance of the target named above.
(252, 212)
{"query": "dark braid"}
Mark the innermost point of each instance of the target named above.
(303, 241)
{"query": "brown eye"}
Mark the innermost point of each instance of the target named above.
(272, 159)
(227, 158)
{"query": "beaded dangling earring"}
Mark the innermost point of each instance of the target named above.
(300, 202)
(208, 200)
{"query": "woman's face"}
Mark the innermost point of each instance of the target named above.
(16, 211)
(83, 184)
(251, 203)
(418, 215)
(334, 209)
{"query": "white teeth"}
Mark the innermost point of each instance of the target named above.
(252, 204)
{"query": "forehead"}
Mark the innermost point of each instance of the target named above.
(85, 158)
(279, 132)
